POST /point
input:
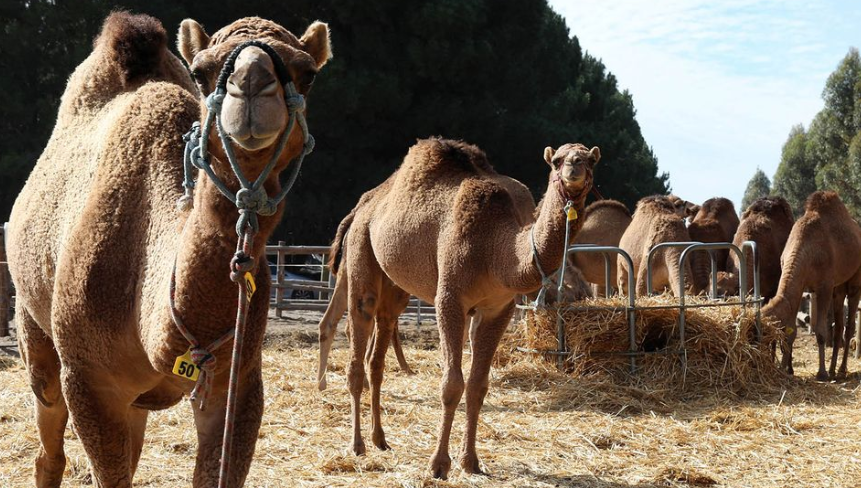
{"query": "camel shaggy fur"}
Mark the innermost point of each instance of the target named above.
(767, 222)
(604, 223)
(96, 231)
(715, 221)
(655, 221)
(448, 230)
(823, 254)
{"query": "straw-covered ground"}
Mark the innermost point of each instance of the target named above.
(539, 427)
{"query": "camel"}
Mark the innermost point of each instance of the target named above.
(767, 222)
(655, 221)
(97, 242)
(823, 254)
(393, 301)
(603, 224)
(447, 229)
(715, 221)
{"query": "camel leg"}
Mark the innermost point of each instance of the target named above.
(100, 416)
(329, 326)
(838, 297)
(641, 285)
(492, 329)
(671, 259)
(820, 325)
(364, 284)
(43, 368)
(137, 427)
(377, 365)
(854, 293)
(246, 425)
(451, 318)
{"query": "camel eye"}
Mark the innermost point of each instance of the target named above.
(198, 76)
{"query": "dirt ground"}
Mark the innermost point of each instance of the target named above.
(538, 428)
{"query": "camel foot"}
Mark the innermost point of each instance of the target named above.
(49, 471)
(470, 464)
(407, 371)
(380, 441)
(440, 466)
(841, 375)
(321, 385)
(822, 376)
(359, 448)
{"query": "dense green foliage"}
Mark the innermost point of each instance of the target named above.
(828, 155)
(795, 178)
(505, 75)
(757, 187)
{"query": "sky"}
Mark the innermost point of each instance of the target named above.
(717, 84)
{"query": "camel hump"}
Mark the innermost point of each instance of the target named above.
(136, 43)
(655, 204)
(824, 201)
(607, 204)
(772, 207)
(448, 154)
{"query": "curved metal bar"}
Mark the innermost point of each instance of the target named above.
(652, 252)
(688, 250)
(632, 287)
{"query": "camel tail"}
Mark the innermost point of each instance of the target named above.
(136, 43)
(337, 253)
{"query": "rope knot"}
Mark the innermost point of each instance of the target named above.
(295, 102)
(215, 100)
(239, 265)
(204, 360)
(256, 201)
(309, 144)
(185, 202)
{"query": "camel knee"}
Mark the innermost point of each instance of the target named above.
(45, 384)
(452, 389)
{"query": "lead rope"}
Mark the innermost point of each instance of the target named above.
(251, 200)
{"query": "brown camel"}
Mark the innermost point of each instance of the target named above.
(715, 221)
(96, 231)
(767, 222)
(823, 254)
(448, 230)
(603, 224)
(392, 300)
(655, 221)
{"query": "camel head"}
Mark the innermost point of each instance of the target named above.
(683, 208)
(254, 111)
(727, 283)
(573, 165)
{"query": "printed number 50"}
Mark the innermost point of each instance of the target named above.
(186, 369)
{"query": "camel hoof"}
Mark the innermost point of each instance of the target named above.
(381, 443)
(440, 466)
(470, 464)
(408, 372)
(359, 448)
(822, 376)
(841, 375)
(321, 385)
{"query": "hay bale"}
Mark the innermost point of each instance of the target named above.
(722, 351)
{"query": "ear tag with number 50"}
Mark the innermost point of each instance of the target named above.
(250, 286)
(572, 214)
(184, 367)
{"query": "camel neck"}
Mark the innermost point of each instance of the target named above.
(548, 235)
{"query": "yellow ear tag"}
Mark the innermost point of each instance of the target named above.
(184, 367)
(572, 214)
(250, 286)
(789, 330)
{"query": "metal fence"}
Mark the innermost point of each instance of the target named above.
(631, 308)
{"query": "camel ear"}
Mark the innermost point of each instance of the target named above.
(595, 153)
(191, 39)
(316, 42)
(691, 209)
(548, 155)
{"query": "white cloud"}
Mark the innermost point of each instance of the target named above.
(717, 85)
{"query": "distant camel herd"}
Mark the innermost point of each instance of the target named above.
(145, 282)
